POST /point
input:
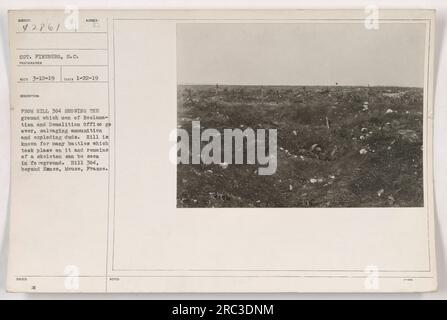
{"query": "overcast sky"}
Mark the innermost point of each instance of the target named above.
(301, 54)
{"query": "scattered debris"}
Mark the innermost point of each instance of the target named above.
(408, 135)
(391, 200)
(315, 147)
(223, 165)
(342, 120)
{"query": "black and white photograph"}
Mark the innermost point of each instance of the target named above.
(209, 151)
(337, 106)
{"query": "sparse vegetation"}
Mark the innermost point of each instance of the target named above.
(337, 146)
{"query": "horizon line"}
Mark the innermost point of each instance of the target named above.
(296, 85)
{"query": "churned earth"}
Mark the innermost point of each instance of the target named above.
(337, 146)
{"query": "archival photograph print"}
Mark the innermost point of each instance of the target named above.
(300, 115)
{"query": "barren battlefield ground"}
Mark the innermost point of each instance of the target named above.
(337, 146)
